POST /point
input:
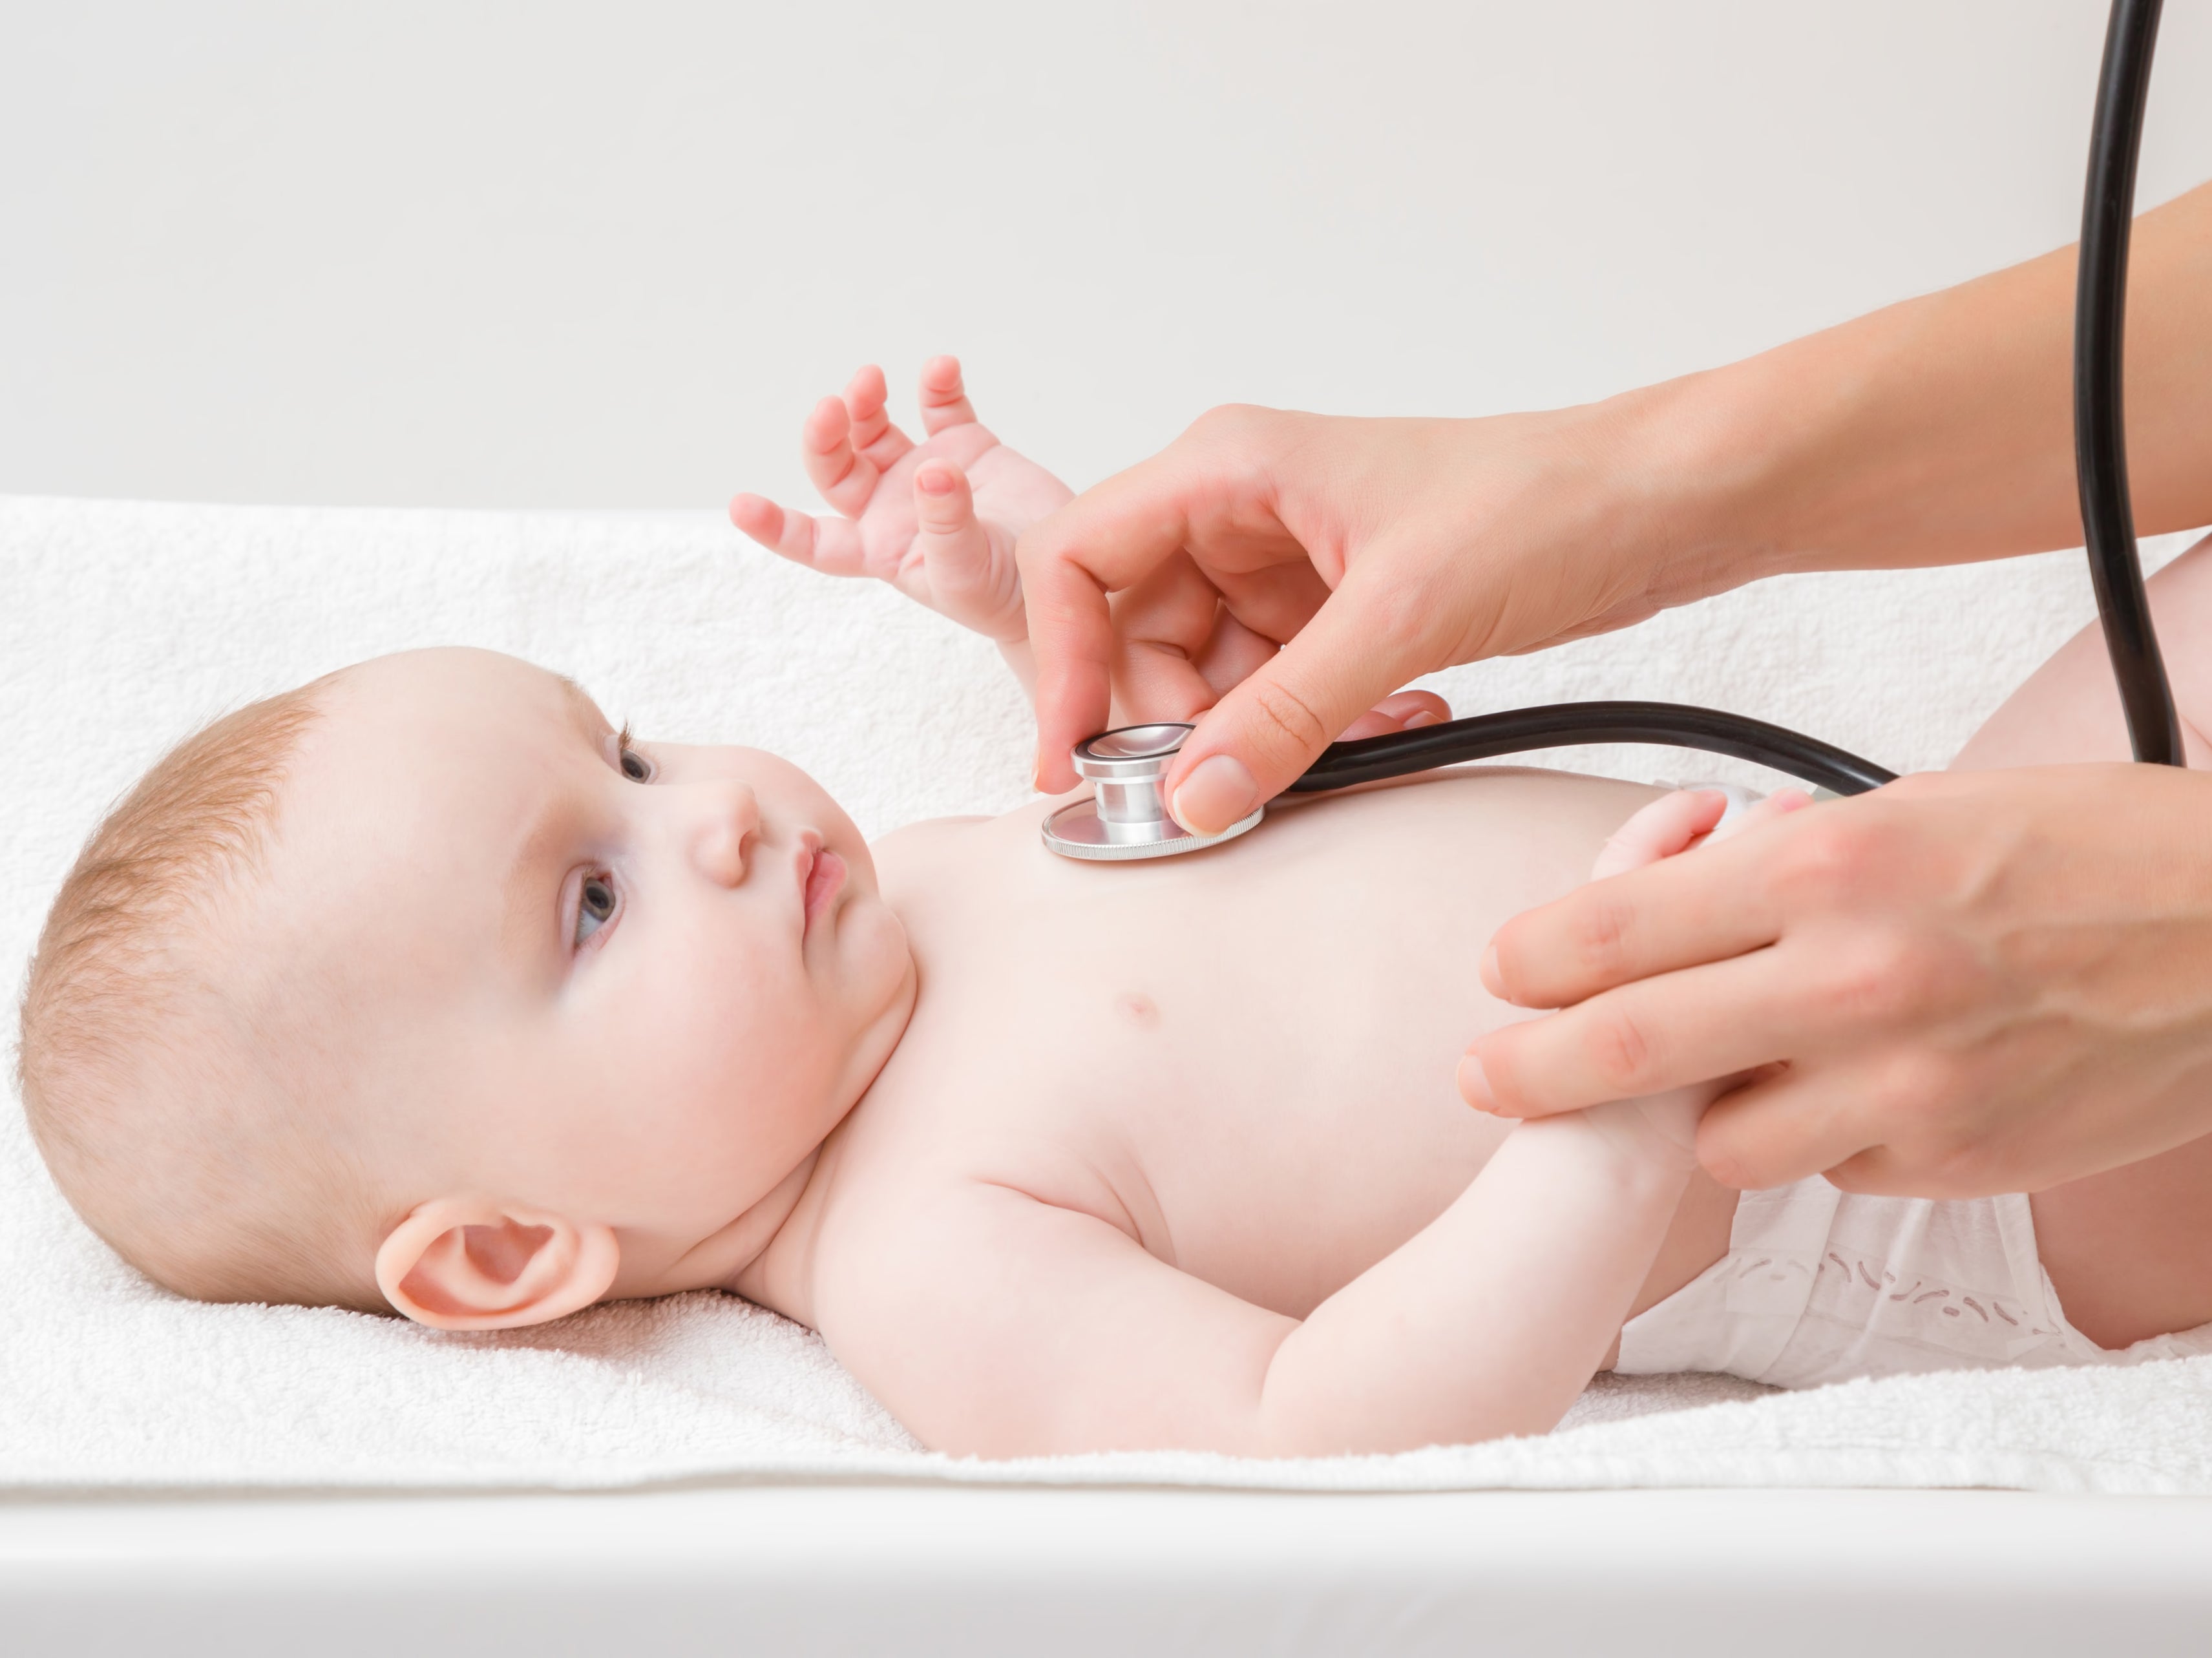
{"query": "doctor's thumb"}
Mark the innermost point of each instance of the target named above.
(1262, 734)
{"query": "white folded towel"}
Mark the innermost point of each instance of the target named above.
(125, 625)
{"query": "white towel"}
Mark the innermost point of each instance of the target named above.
(122, 626)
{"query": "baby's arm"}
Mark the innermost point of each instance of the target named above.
(995, 1322)
(939, 520)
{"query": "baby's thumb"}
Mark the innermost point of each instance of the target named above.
(943, 503)
(968, 584)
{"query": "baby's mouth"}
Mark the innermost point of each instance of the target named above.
(820, 877)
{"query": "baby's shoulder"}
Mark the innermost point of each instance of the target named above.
(909, 1158)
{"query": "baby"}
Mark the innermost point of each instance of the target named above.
(424, 989)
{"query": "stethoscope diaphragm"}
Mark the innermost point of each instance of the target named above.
(1127, 817)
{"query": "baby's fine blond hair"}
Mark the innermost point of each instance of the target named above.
(149, 1035)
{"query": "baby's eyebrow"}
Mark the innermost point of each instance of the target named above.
(530, 924)
(580, 704)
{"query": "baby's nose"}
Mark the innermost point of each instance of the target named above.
(727, 817)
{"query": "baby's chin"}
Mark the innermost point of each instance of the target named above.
(877, 983)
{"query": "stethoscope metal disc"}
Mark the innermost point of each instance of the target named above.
(1126, 818)
(1077, 831)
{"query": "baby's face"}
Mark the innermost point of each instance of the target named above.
(634, 986)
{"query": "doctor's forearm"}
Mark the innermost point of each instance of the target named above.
(1939, 430)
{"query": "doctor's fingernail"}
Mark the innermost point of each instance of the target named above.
(1419, 717)
(1217, 792)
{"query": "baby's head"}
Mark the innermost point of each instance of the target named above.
(420, 987)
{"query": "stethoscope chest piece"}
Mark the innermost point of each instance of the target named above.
(1125, 817)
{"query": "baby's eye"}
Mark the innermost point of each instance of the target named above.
(597, 906)
(635, 766)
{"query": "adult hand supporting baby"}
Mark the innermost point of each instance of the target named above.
(1965, 983)
(1935, 431)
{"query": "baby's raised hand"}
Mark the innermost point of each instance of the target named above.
(937, 519)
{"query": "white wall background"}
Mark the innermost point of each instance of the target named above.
(550, 254)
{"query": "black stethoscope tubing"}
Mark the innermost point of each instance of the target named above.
(2107, 519)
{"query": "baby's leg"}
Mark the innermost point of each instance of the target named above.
(2068, 709)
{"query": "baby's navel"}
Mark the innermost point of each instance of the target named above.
(1138, 1009)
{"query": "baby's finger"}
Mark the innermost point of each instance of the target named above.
(873, 434)
(844, 477)
(829, 545)
(967, 582)
(1398, 712)
(1780, 803)
(1660, 829)
(944, 398)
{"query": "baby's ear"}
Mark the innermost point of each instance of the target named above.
(478, 1263)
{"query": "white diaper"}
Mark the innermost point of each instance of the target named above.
(1820, 1285)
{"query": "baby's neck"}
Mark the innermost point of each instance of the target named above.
(773, 1241)
(760, 1269)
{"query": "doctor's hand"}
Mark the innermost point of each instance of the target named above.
(1286, 571)
(1964, 983)
(938, 520)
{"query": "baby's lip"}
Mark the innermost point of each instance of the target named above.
(821, 874)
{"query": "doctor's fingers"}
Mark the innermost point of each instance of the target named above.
(1163, 628)
(1178, 648)
(1668, 915)
(1804, 1120)
(1106, 541)
(1365, 640)
(1717, 1020)
(1158, 682)
(1799, 1122)
(1923, 1114)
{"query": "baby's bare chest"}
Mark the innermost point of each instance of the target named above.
(1248, 1065)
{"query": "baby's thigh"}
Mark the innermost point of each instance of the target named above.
(2067, 709)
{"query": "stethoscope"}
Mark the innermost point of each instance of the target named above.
(1127, 817)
